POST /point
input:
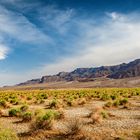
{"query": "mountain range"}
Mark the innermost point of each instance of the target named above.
(121, 71)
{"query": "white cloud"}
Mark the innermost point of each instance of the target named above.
(3, 51)
(109, 43)
(114, 15)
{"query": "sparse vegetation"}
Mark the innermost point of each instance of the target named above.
(43, 110)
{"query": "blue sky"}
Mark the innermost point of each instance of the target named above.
(42, 37)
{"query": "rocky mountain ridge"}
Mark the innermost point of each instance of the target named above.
(124, 70)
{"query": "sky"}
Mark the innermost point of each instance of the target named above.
(44, 37)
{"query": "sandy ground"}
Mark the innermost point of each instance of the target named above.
(124, 122)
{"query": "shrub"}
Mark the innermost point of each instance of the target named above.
(72, 127)
(27, 116)
(116, 103)
(108, 104)
(6, 134)
(113, 97)
(41, 101)
(44, 96)
(96, 118)
(44, 120)
(29, 98)
(61, 114)
(69, 101)
(105, 97)
(2, 103)
(41, 123)
(104, 114)
(14, 101)
(123, 101)
(53, 103)
(82, 101)
(24, 108)
(14, 112)
(98, 115)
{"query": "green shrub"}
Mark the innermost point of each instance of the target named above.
(6, 134)
(41, 101)
(113, 97)
(14, 101)
(24, 108)
(69, 101)
(50, 114)
(104, 114)
(27, 116)
(53, 103)
(29, 98)
(123, 101)
(42, 122)
(44, 96)
(2, 103)
(14, 112)
(116, 103)
(45, 120)
(105, 97)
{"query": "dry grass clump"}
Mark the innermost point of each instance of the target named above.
(82, 101)
(61, 113)
(109, 104)
(98, 115)
(72, 130)
(72, 127)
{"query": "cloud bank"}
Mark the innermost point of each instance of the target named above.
(114, 41)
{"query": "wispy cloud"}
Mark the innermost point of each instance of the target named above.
(114, 41)
(16, 26)
(19, 27)
(56, 18)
